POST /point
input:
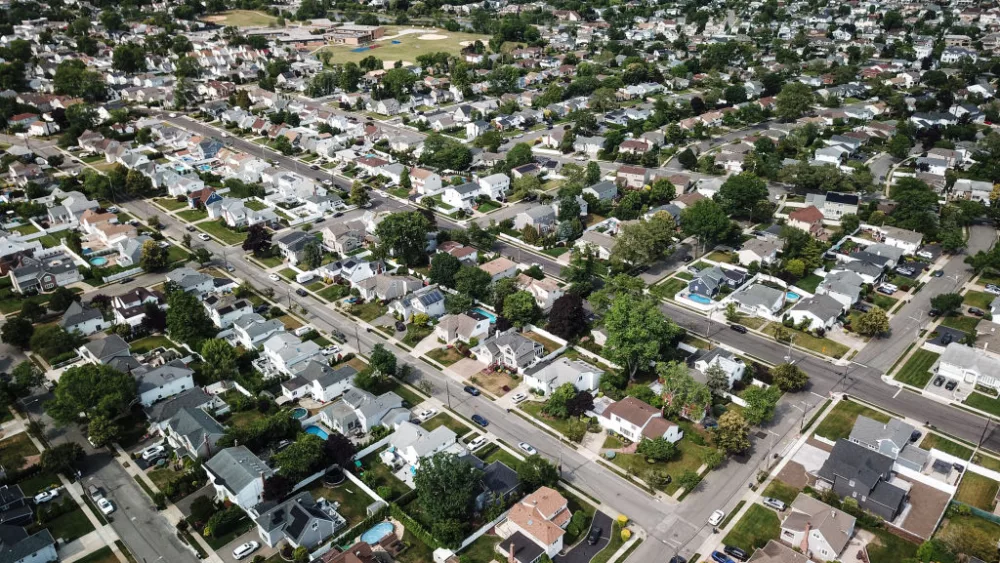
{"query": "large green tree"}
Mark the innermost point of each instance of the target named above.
(637, 332)
(733, 433)
(741, 194)
(220, 360)
(187, 320)
(794, 100)
(404, 236)
(446, 490)
(92, 390)
(706, 220)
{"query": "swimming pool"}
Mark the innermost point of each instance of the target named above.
(697, 298)
(377, 532)
(317, 431)
(299, 413)
(99, 261)
(792, 296)
(485, 313)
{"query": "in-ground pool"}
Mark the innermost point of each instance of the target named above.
(374, 534)
(485, 313)
(99, 261)
(697, 298)
(317, 431)
(299, 413)
(792, 296)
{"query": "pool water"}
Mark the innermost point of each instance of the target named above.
(374, 534)
(485, 313)
(697, 298)
(317, 431)
(299, 413)
(792, 296)
(99, 261)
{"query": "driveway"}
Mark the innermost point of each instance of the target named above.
(584, 552)
(226, 551)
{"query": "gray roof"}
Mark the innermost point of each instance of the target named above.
(294, 515)
(498, 478)
(835, 525)
(758, 295)
(604, 190)
(865, 468)
(971, 359)
(187, 278)
(107, 346)
(369, 405)
(540, 212)
(562, 370)
(194, 397)
(197, 426)
(823, 306)
(466, 188)
(870, 431)
(236, 467)
(16, 545)
(151, 378)
(78, 313)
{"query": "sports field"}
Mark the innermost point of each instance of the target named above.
(405, 44)
(242, 18)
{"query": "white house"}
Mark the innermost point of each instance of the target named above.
(238, 476)
(285, 351)
(224, 310)
(730, 364)
(461, 197)
(83, 319)
(462, 327)
(972, 366)
(763, 251)
(818, 529)
(412, 443)
(495, 186)
(759, 300)
(545, 291)
(427, 300)
(636, 420)
(162, 382)
(821, 310)
(252, 330)
(908, 241)
(549, 377)
(499, 268)
(424, 181)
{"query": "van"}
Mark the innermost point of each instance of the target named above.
(477, 443)
(304, 277)
(303, 330)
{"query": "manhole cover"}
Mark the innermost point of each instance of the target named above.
(761, 435)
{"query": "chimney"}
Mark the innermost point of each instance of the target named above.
(510, 554)
(804, 546)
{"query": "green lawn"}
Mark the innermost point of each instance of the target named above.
(404, 392)
(916, 370)
(839, 423)
(25, 229)
(977, 490)
(962, 323)
(13, 450)
(415, 333)
(177, 254)
(890, 549)
(989, 462)
(781, 491)
(810, 283)
(368, 311)
(616, 542)
(220, 231)
(979, 299)
(955, 529)
(353, 500)
(945, 445)
(534, 408)
(488, 206)
(556, 251)
(984, 403)
(406, 47)
(254, 204)
(381, 476)
(243, 18)
(484, 549)
(805, 340)
(70, 526)
(690, 460)
(271, 261)
(755, 528)
(38, 483)
(288, 273)
(193, 215)
(335, 292)
(170, 204)
(669, 288)
(143, 345)
(499, 454)
(444, 356)
(884, 301)
(448, 421)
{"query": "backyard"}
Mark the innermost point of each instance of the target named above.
(755, 528)
(977, 490)
(917, 370)
(143, 345)
(70, 526)
(15, 450)
(890, 549)
(840, 421)
(376, 474)
(956, 528)
(669, 288)
(353, 500)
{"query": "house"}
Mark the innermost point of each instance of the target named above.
(776, 552)
(510, 350)
(547, 378)
(973, 366)
(462, 327)
(238, 476)
(732, 366)
(821, 311)
(892, 439)
(426, 300)
(499, 483)
(384, 287)
(468, 255)
(192, 431)
(292, 245)
(103, 350)
(972, 190)
(819, 530)
(636, 420)
(461, 197)
(603, 191)
(709, 281)
(285, 351)
(762, 251)
(253, 330)
(412, 443)
(224, 310)
(300, 521)
(424, 181)
(908, 241)
(191, 281)
(545, 291)
(540, 217)
(854, 471)
(806, 218)
(844, 286)
(495, 186)
(539, 518)
(318, 380)
(130, 308)
(602, 244)
(161, 382)
(343, 238)
(360, 411)
(834, 205)
(18, 546)
(44, 272)
(634, 177)
(499, 268)
(759, 300)
(82, 318)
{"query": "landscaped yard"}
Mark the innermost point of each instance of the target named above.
(983, 403)
(270, 261)
(549, 345)
(448, 421)
(556, 251)
(822, 345)
(534, 408)
(755, 528)
(781, 491)
(193, 215)
(222, 232)
(170, 204)
(404, 392)
(839, 423)
(961, 322)
(25, 229)
(890, 549)
(945, 445)
(977, 490)
(979, 299)
(884, 301)
(368, 311)
(381, 476)
(70, 526)
(691, 458)
(669, 288)
(484, 549)
(444, 356)
(103, 555)
(810, 283)
(955, 528)
(916, 370)
(143, 345)
(13, 450)
(353, 500)
(416, 333)
(288, 273)
(335, 292)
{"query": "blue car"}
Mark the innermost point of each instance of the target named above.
(720, 557)
(480, 420)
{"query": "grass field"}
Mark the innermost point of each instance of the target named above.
(242, 18)
(956, 528)
(757, 526)
(408, 48)
(979, 299)
(983, 403)
(781, 491)
(961, 322)
(221, 232)
(890, 549)
(916, 370)
(822, 345)
(977, 490)
(193, 215)
(840, 421)
(170, 204)
(669, 288)
(945, 445)
(448, 421)
(70, 526)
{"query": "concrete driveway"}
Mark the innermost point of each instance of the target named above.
(584, 552)
(226, 551)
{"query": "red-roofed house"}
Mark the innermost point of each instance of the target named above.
(540, 517)
(806, 218)
(635, 420)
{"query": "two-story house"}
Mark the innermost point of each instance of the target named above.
(549, 377)
(540, 519)
(819, 530)
(510, 350)
(238, 476)
(855, 471)
(635, 421)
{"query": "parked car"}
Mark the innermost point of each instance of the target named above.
(951, 385)
(153, 452)
(938, 381)
(937, 273)
(301, 292)
(477, 443)
(716, 518)
(976, 311)
(885, 289)
(738, 328)
(915, 435)
(677, 559)
(720, 557)
(527, 448)
(230, 269)
(331, 350)
(245, 549)
(190, 229)
(736, 552)
(274, 277)
(774, 503)
(992, 288)
(204, 237)
(471, 390)
(426, 414)
(518, 398)
(400, 326)
(480, 420)
(105, 506)
(905, 271)
(595, 535)
(45, 496)
(124, 281)
(934, 313)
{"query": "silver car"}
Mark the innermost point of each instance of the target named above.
(773, 503)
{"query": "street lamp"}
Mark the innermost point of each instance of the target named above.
(788, 355)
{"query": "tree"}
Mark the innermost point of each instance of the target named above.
(794, 100)
(457, 303)
(154, 257)
(637, 330)
(187, 320)
(733, 433)
(129, 58)
(568, 317)
(658, 449)
(301, 458)
(446, 488)
(31, 310)
(312, 254)
(443, 268)
(761, 403)
(202, 255)
(220, 360)
(404, 235)
(518, 155)
(258, 240)
(874, 322)
(102, 430)
(92, 390)
(535, 471)
(277, 487)
(61, 299)
(689, 480)
(556, 406)
(789, 377)
(520, 309)
(688, 159)
(26, 376)
(383, 362)
(339, 449)
(473, 282)
(359, 195)
(706, 220)
(17, 331)
(644, 242)
(795, 268)
(899, 145)
(63, 458)
(740, 194)
(946, 303)
(716, 378)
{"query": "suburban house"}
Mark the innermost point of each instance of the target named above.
(776, 552)
(343, 238)
(808, 219)
(495, 186)
(821, 311)
(360, 411)
(156, 383)
(461, 197)
(604, 191)
(759, 300)
(192, 431)
(908, 241)
(819, 530)
(238, 476)
(635, 420)
(499, 482)
(285, 351)
(130, 308)
(539, 518)
(729, 362)
(318, 380)
(300, 521)
(834, 205)
(412, 443)
(462, 327)
(855, 471)
(224, 310)
(44, 272)
(17, 545)
(499, 268)
(547, 378)
(510, 350)
(427, 300)
(82, 318)
(762, 251)
(253, 330)
(384, 287)
(891, 439)
(545, 291)
(844, 286)
(634, 177)
(292, 245)
(973, 366)
(424, 181)
(709, 281)
(191, 281)
(103, 350)
(540, 217)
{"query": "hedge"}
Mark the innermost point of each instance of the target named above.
(413, 526)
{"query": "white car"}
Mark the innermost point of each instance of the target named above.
(105, 506)
(527, 448)
(716, 518)
(153, 452)
(426, 414)
(173, 115)
(45, 496)
(245, 549)
(330, 350)
(274, 277)
(204, 237)
(518, 398)
(994, 289)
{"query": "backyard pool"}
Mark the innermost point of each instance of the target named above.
(299, 413)
(792, 296)
(485, 313)
(317, 431)
(377, 532)
(699, 299)
(99, 261)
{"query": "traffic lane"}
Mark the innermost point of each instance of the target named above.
(584, 552)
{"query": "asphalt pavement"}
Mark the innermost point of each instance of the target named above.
(583, 552)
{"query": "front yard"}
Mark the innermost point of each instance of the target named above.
(983, 403)
(448, 421)
(962, 323)
(222, 232)
(824, 346)
(979, 299)
(839, 423)
(691, 459)
(445, 356)
(781, 491)
(369, 311)
(945, 445)
(917, 370)
(193, 215)
(669, 288)
(755, 528)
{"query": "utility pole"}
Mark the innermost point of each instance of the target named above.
(447, 390)
(985, 428)
(788, 355)
(288, 294)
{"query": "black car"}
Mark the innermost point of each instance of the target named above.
(677, 559)
(314, 167)
(595, 535)
(939, 381)
(471, 390)
(736, 552)
(915, 435)
(400, 326)
(480, 420)
(301, 292)
(127, 280)
(739, 328)
(951, 385)
(189, 228)
(687, 258)
(261, 309)
(976, 311)
(933, 313)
